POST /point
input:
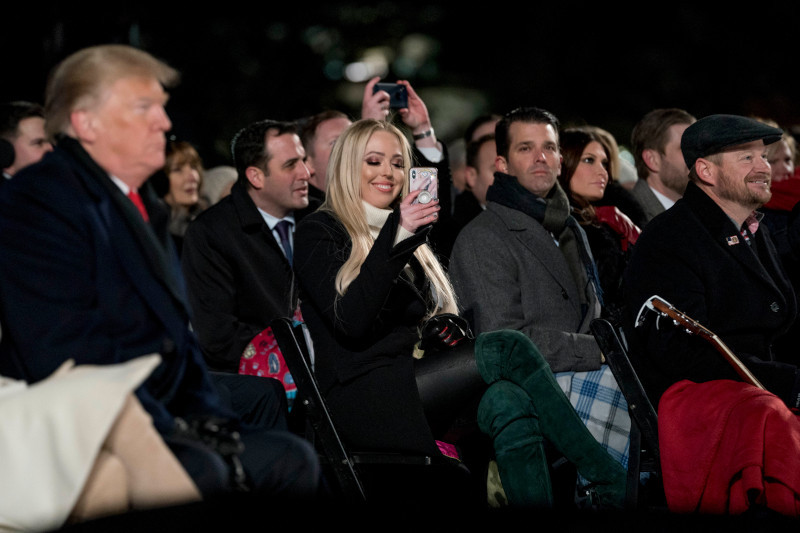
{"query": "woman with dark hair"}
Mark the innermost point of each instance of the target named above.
(585, 177)
(617, 193)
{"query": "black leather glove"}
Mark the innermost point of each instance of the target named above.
(444, 331)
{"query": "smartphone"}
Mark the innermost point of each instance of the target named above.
(426, 179)
(398, 94)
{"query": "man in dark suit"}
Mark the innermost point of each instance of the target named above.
(708, 257)
(238, 270)
(656, 147)
(88, 271)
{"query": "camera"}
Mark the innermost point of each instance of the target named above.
(398, 94)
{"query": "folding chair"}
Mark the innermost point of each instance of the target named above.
(644, 455)
(348, 467)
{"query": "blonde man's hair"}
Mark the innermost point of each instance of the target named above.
(80, 80)
(343, 200)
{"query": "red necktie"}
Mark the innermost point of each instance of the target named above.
(137, 201)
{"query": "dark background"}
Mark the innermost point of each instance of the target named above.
(597, 63)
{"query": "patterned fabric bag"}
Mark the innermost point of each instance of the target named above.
(263, 357)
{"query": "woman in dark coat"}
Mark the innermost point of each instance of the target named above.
(585, 177)
(368, 282)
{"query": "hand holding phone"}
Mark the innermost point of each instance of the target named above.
(420, 209)
(425, 179)
(398, 94)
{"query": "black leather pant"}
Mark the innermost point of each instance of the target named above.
(450, 386)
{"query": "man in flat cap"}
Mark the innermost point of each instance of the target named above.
(708, 257)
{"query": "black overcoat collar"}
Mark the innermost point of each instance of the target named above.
(153, 238)
(760, 258)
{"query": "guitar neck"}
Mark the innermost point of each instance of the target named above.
(694, 327)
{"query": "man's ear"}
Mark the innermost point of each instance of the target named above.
(652, 159)
(500, 164)
(706, 171)
(82, 123)
(255, 176)
(470, 177)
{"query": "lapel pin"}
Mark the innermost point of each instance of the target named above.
(733, 239)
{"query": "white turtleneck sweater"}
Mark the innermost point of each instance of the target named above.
(376, 218)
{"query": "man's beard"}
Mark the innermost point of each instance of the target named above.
(673, 178)
(741, 193)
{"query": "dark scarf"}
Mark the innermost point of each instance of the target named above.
(553, 213)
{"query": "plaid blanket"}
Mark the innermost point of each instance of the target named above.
(598, 400)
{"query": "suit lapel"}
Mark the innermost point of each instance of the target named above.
(125, 225)
(725, 233)
(271, 241)
(647, 199)
(541, 247)
(729, 238)
(252, 222)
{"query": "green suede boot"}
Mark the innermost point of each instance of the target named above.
(511, 355)
(505, 415)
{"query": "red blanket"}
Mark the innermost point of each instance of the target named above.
(726, 446)
(785, 194)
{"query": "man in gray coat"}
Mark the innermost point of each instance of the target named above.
(523, 264)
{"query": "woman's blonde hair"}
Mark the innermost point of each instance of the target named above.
(343, 200)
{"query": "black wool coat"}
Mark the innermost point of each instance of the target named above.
(237, 275)
(83, 277)
(693, 257)
(364, 341)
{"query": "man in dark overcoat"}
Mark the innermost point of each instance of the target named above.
(88, 271)
(238, 270)
(709, 258)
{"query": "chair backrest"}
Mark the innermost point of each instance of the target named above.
(292, 342)
(614, 346)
